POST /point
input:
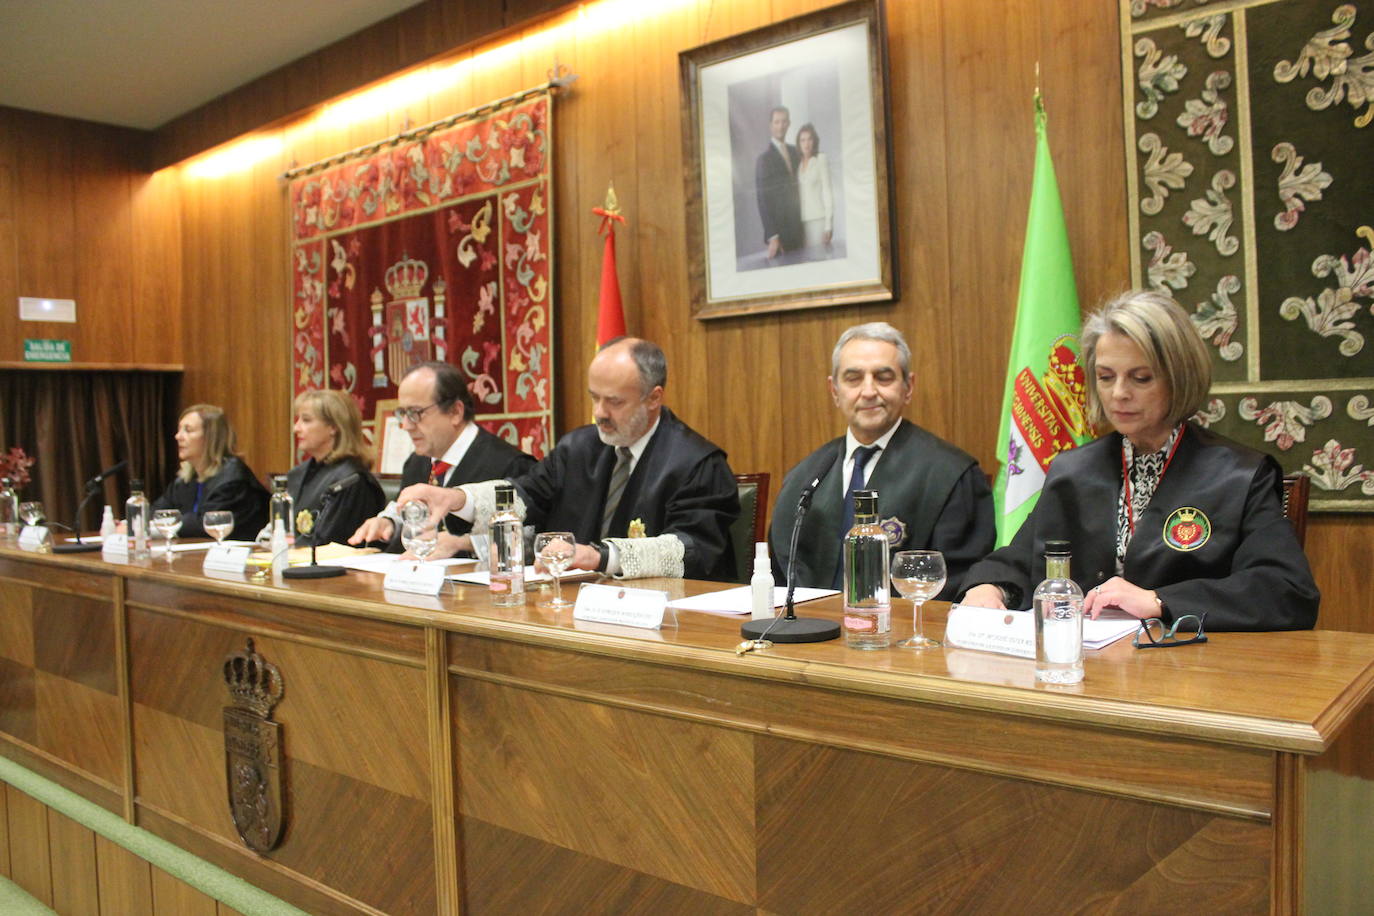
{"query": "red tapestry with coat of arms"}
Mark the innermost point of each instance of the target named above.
(435, 248)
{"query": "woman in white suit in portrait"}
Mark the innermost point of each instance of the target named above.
(817, 198)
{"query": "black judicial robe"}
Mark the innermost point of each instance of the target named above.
(234, 488)
(353, 505)
(489, 457)
(935, 494)
(1248, 574)
(681, 485)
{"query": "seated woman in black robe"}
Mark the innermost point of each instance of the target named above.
(212, 476)
(1165, 517)
(333, 490)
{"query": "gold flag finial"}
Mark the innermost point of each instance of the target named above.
(612, 204)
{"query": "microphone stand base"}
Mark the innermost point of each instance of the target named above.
(312, 572)
(798, 629)
(75, 547)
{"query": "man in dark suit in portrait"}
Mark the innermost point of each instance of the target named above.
(775, 183)
(436, 410)
(931, 494)
(643, 493)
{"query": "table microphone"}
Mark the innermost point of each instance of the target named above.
(314, 570)
(790, 627)
(92, 488)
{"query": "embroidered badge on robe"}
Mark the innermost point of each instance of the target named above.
(636, 528)
(895, 529)
(1187, 528)
(305, 521)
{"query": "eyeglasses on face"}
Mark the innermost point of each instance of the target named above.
(1184, 631)
(413, 414)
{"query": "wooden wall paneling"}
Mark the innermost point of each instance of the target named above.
(126, 884)
(75, 887)
(30, 867)
(9, 228)
(223, 909)
(174, 897)
(102, 242)
(1340, 548)
(157, 284)
(1086, 140)
(271, 425)
(44, 209)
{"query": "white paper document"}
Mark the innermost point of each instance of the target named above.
(1108, 628)
(738, 602)
(383, 562)
(483, 577)
(207, 545)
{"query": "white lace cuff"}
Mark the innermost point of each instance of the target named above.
(646, 557)
(482, 498)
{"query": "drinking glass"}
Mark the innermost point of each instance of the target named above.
(31, 512)
(420, 538)
(918, 575)
(555, 551)
(167, 522)
(218, 524)
(417, 510)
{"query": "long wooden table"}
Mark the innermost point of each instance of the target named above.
(443, 755)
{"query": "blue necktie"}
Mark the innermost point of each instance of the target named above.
(862, 454)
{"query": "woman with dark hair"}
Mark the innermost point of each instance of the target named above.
(1165, 517)
(817, 196)
(212, 476)
(329, 430)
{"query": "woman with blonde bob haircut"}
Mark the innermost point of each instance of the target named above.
(329, 431)
(1164, 517)
(212, 475)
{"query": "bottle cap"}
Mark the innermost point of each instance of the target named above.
(761, 550)
(505, 496)
(135, 485)
(279, 481)
(1057, 548)
(865, 502)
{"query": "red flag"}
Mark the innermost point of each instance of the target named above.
(610, 315)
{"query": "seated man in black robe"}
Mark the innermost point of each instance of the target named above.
(643, 494)
(931, 495)
(436, 410)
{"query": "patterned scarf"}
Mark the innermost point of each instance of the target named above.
(1145, 474)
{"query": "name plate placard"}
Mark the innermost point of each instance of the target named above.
(115, 549)
(226, 559)
(990, 630)
(629, 607)
(33, 537)
(415, 578)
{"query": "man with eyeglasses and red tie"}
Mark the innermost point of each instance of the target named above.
(436, 410)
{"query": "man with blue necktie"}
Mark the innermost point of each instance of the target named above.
(931, 494)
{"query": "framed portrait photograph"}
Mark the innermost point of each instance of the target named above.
(785, 141)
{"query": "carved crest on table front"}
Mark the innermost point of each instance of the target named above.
(253, 749)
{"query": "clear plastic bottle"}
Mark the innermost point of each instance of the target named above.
(137, 514)
(282, 508)
(1058, 609)
(278, 547)
(507, 550)
(867, 593)
(9, 512)
(107, 524)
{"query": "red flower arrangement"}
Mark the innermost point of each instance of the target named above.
(16, 466)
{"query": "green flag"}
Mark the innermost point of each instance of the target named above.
(1043, 410)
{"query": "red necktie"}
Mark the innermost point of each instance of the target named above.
(437, 471)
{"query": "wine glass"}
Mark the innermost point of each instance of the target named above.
(555, 551)
(918, 575)
(419, 538)
(167, 522)
(31, 512)
(218, 524)
(416, 510)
